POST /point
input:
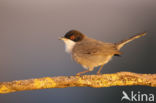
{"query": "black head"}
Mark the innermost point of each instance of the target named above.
(74, 35)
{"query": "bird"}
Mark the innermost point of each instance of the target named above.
(91, 53)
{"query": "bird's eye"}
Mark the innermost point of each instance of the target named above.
(72, 37)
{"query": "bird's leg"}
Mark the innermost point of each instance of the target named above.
(98, 72)
(78, 74)
(89, 69)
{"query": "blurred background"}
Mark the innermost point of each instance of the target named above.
(29, 45)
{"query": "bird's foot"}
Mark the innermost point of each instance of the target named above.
(78, 74)
(98, 73)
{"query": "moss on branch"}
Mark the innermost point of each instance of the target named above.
(95, 81)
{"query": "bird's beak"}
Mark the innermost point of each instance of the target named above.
(61, 38)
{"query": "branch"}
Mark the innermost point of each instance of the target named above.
(95, 81)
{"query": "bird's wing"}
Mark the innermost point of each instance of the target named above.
(93, 47)
(91, 53)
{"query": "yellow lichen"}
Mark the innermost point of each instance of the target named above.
(37, 83)
(50, 82)
(96, 81)
(4, 89)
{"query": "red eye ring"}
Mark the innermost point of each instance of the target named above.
(72, 37)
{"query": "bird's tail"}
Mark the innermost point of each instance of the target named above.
(120, 44)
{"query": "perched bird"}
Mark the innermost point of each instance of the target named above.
(91, 53)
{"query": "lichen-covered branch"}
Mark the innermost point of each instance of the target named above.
(96, 81)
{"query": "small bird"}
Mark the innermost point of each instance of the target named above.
(91, 53)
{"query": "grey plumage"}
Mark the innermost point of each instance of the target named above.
(91, 53)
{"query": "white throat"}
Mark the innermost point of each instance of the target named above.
(69, 44)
